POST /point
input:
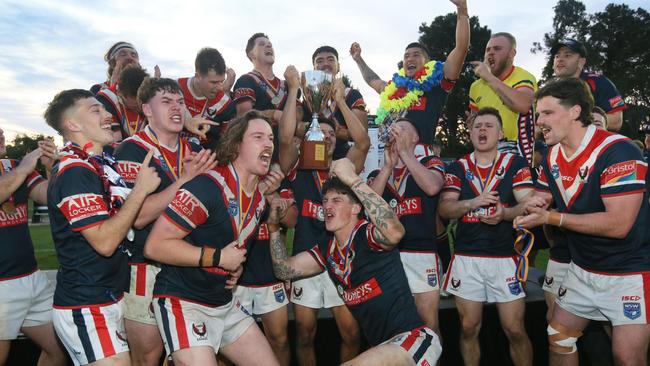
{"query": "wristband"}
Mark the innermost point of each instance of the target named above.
(273, 228)
(554, 218)
(216, 257)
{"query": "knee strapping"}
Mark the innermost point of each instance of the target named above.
(561, 339)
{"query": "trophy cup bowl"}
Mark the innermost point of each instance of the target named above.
(316, 90)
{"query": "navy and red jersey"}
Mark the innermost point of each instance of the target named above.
(508, 173)
(265, 94)
(371, 281)
(99, 86)
(606, 96)
(214, 212)
(125, 120)
(354, 100)
(416, 210)
(258, 270)
(606, 165)
(219, 109)
(78, 199)
(16, 247)
(130, 154)
(306, 186)
(426, 112)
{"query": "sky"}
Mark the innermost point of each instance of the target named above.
(48, 46)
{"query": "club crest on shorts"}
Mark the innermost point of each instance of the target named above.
(561, 292)
(632, 310)
(455, 283)
(279, 295)
(121, 335)
(199, 331)
(548, 280)
(514, 288)
(432, 279)
(297, 292)
(233, 210)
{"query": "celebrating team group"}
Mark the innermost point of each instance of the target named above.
(171, 201)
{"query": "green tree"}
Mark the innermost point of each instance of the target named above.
(439, 37)
(617, 42)
(23, 144)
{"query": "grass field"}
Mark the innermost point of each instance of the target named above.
(46, 256)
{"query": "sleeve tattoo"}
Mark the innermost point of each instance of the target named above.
(281, 266)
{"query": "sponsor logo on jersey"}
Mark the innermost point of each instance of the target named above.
(13, 219)
(617, 101)
(620, 172)
(199, 331)
(362, 293)
(128, 170)
(632, 310)
(188, 207)
(420, 104)
(409, 206)
(476, 214)
(313, 210)
(263, 232)
(82, 206)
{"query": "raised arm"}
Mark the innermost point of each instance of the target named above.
(369, 76)
(287, 128)
(456, 58)
(358, 132)
(388, 230)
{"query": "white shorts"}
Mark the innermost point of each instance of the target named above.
(422, 271)
(137, 302)
(555, 273)
(24, 302)
(315, 292)
(619, 298)
(184, 324)
(91, 333)
(483, 279)
(261, 299)
(421, 343)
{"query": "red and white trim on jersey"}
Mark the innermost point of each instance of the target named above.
(188, 207)
(502, 164)
(201, 106)
(574, 170)
(257, 203)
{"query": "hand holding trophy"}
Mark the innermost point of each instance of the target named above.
(316, 90)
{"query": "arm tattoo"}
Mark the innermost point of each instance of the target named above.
(380, 238)
(281, 267)
(367, 73)
(378, 210)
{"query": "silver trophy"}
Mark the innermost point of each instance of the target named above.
(384, 127)
(317, 92)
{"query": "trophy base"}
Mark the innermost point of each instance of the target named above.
(313, 155)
